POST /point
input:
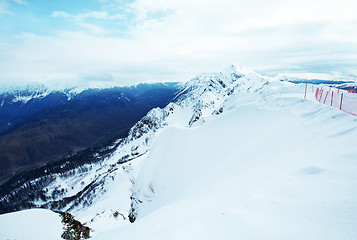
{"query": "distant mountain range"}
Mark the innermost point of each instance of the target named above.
(319, 78)
(38, 125)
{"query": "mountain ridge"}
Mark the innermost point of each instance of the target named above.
(193, 106)
(236, 153)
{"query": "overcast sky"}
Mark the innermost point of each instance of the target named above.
(72, 41)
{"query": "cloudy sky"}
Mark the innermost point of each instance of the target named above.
(71, 41)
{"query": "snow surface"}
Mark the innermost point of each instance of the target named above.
(39, 224)
(237, 156)
(273, 167)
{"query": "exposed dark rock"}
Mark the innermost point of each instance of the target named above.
(73, 229)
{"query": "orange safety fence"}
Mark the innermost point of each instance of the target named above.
(342, 100)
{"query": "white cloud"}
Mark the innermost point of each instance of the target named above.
(192, 37)
(4, 7)
(97, 15)
(81, 19)
(87, 15)
(61, 14)
(22, 2)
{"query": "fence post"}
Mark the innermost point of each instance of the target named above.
(331, 98)
(325, 97)
(322, 92)
(341, 101)
(305, 90)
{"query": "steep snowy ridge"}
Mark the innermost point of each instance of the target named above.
(236, 154)
(80, 188)
(266, 169)
(202, 97)
(206, 93)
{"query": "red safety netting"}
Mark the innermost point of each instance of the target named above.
(342, 100)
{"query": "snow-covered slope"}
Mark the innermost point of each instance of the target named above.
(37, 224)
(267, 169)
(256, 172)
(236, 155)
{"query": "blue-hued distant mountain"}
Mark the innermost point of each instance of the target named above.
(316, 81)
(320, 78)
(38, 125)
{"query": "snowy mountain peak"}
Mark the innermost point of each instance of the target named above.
(25, 93)
(234, 69)
(202, 97)
(212, 89)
